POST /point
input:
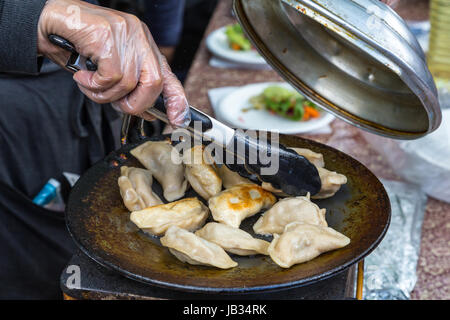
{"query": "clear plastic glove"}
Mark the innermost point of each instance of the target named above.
(131, 72)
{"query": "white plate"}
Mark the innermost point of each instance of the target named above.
(230, 111)
(217, 43)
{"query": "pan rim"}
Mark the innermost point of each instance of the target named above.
(232, 289)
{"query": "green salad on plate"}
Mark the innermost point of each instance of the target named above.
(236, 38)
(286, 103)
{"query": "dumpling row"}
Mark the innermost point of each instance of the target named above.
(174, 171)
(197, 168)
(208, 246)
(298, 225)
(331, 181)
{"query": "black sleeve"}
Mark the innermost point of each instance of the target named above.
(164, 18)
(18, 35)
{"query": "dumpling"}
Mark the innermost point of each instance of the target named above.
(233, 205)
(268, 186)
(189, 214)
(331, 183)
(287, 210)
(201, 172)
(301, 242)
(166, 165)
(232, 239)
(192, 249)
(231, 178)
(313, 157)
(135, 186)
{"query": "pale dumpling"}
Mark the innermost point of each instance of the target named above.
(231, 178)
(331, 183)
(233, 205)
(233, 240)
(287, 210)
(301, 242)
(189, 214)
(188, 247)
(314, 157)
(166, 165)
(201, 172)
(135, 186)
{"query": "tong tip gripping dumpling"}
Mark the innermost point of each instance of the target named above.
(294, 174)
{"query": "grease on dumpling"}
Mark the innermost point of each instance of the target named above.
(189, 214)
(166, 165)
(286, 211)
(301, 242)
(331, 183)
(233, 205)
(190, 248)
(231, 178)
(232, 239)
(201, 172)
(135, 186)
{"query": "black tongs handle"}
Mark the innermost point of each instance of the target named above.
(76, 62)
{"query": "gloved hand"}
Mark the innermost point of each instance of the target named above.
(131, 72)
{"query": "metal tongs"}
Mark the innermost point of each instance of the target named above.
(250, 157)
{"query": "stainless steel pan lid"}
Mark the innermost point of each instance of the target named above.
(355, 58)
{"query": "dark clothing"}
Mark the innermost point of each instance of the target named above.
(47, 126)
(18, 35)
(164, 18)
(35, 247)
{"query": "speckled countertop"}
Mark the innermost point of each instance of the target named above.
(433, 268)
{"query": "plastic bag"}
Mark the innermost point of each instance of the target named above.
(425, 161)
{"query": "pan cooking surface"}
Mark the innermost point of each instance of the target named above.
(99, 223)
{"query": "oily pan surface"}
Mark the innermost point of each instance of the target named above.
(100, 225)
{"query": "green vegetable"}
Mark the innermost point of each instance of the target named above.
(284, 102)
(236, 38)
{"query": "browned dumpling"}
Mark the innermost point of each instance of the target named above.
(301, 242)
(231, 178)
(135, 186)
(189, 214)
(286, 211)
(233, 240)
(233, 205)
(188, 247)
(331, 183)
(313, 157)
(201, 172)
(166, 165)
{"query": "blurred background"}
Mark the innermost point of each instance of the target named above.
(179, 40)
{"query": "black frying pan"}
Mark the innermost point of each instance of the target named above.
(99, 223)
